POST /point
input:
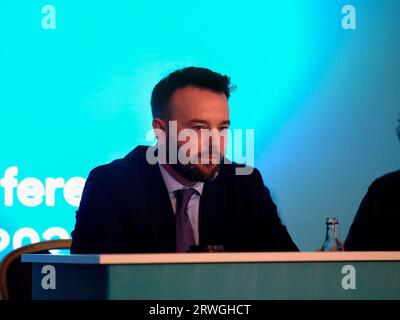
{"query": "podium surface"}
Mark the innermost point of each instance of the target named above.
(209, 276)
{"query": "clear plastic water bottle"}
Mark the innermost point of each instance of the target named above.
(332, 241)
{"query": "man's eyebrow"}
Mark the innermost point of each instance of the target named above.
(225, 122)
(198, 121)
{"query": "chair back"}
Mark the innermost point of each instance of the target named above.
(16, 277)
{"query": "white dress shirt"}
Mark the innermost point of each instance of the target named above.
(194, 204)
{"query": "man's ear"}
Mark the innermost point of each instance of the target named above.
(160, 129)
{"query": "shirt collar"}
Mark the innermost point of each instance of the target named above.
(173, 185)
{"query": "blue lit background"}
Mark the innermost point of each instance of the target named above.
(323, 100)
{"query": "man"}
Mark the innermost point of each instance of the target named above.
(376, 224)
(190, 196)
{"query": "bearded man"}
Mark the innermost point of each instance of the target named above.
(183, 193)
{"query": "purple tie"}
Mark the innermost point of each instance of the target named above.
(184, 231)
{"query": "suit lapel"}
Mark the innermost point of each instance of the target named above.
(212, 213)
(162, 219)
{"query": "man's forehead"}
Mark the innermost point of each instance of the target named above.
(197, 103)
(194, 95)
(199, 117)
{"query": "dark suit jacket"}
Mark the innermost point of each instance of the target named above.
(125, 208)
(376, 224)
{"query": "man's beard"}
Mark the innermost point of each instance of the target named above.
(193, 173)
(192, 170)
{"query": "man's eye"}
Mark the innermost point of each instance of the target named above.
(199, 127)
(221, 129)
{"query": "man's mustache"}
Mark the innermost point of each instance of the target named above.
(214, 153)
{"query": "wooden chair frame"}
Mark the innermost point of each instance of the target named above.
(15, 254)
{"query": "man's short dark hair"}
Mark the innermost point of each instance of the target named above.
(190, 76)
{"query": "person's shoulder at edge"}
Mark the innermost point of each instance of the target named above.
(376, 213)
(389, 178)
(386, 182)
